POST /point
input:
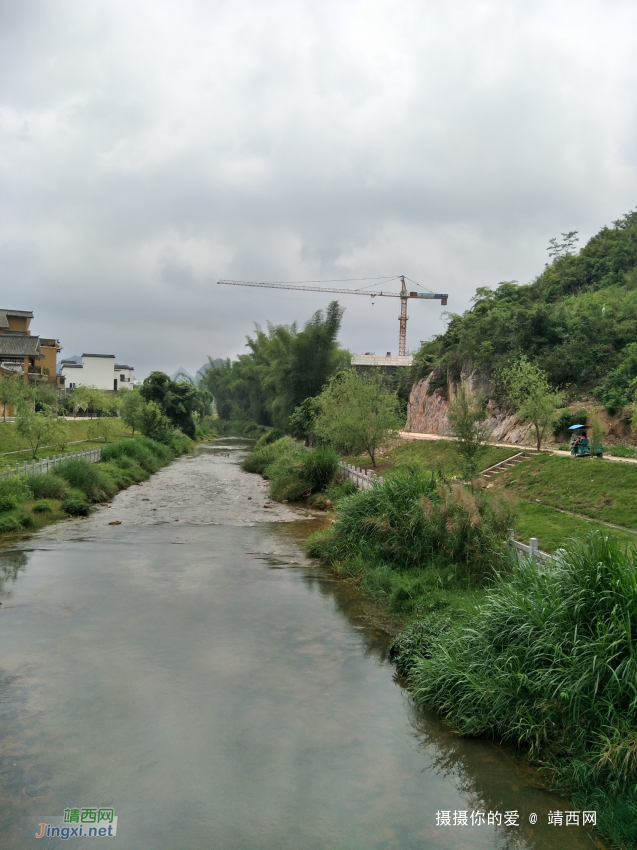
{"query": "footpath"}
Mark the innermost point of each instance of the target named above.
(412, 435)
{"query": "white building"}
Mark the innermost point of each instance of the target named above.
(99, 371)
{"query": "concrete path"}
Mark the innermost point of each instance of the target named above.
(410, 435)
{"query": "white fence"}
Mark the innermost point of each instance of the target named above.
(363, 478)
(44, 465)
(532, 549)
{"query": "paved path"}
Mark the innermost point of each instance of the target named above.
(410, 435)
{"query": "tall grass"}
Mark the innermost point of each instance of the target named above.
(414, 520)
(549, 663)
(294, 472)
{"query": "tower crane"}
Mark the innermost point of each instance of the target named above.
(404, 295)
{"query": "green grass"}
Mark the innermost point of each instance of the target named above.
(10, 441)
(548, 663)
(553, 528)
(431, 454)
(28, 502)
(594, 488)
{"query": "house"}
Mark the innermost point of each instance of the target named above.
(21, 353)
(99, 371)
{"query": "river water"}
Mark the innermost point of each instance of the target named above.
(192, 670)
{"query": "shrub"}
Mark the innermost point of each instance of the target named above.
(13, 492)
(414, 520)
(47, 486)
(42, 506)
(549, 663)
(622, 451)
(261, 457)
(180, 443)
(10, 524)
(96, 484)
(75, 507)
(565, 418)
(8, 503)
(319, 467)
(269, 437)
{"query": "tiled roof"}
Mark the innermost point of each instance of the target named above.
(99, 355)
(19, 345)
(21, 314)
(122, 366)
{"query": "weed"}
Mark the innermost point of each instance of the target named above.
(42, 506)
(75, 507)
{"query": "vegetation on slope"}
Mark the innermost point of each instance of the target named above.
(577, 321)
(30, 501)
(548, 663)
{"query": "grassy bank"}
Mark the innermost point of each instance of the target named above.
(28, 502)
(548, 663)
(431, 454)
(597, 489)
(543, 658)
(296, 473)
(11, 441)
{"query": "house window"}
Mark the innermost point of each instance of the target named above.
(122, 377)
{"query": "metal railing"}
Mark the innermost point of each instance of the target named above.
(46, 464)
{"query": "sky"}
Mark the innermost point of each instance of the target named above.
(149, 149)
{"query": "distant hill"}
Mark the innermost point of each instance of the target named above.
(182, 373)
(577, 320)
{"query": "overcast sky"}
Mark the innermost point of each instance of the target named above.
(149, 148)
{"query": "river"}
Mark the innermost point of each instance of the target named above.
(190, 669)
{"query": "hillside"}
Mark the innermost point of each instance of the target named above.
(577, 320)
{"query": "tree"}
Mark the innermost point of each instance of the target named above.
(302, 420)
(532, 396)
(468, 424)
(562, 249)
(283, 367)
(8, 393)
(179, 400)
(88, 398)
(155, 424)
(357, 414)
(45, 397)
(131, 409)
(105, 428)
(41, 429)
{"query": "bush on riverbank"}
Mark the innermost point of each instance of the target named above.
(294, 472)
(72, 487)
(549, 663)
(415, 520)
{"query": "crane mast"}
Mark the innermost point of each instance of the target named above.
(404, 295)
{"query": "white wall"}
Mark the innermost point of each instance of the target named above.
(96, 371)
(125, 383)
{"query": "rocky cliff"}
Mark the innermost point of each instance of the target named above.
(427, 410)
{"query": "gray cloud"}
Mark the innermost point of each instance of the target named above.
(148, 149)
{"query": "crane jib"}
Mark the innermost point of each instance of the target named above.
(429, 295)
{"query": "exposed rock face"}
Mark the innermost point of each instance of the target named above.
(427, 413)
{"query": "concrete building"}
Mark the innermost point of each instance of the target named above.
(99, 371)
(21, 353)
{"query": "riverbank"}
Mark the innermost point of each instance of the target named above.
(433, 555)
(72, 489)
